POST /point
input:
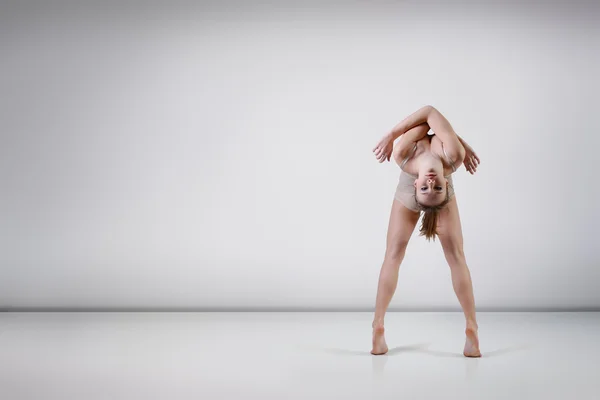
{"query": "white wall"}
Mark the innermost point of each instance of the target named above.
(218, 156)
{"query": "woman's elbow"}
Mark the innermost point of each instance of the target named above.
(429, 108)
(397, 155)
(459, 155)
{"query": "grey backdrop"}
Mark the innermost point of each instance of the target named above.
(218, 155)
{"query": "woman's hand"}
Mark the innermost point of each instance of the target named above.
(383, 149)
(471, 160)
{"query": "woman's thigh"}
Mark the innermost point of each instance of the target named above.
(400, 228)
(450, 231)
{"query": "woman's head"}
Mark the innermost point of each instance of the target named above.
(431, 189)
(431, 194)
(430, 186)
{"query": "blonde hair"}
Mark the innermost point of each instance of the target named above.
(430, 216)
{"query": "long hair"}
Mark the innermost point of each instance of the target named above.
(430, 216)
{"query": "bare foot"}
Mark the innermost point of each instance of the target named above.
(379, 345)
(471, 343)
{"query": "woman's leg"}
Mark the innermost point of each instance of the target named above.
(401, 226)
(451, 238)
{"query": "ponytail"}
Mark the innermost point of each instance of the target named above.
(429, 222)
(430, 217)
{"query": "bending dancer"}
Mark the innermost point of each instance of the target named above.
(425, 186)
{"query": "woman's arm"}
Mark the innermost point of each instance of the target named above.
(414, 119)
(408, 140)
(471, 160)
(440, 126)
(385, 147)
(435, 120)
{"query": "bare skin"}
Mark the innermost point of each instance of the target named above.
(429, 156)
(450, 235)
(401, 226)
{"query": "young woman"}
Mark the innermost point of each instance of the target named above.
(425, 186)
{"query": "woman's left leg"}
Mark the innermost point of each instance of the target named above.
(451, 238)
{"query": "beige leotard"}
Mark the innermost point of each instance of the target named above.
(405, 191)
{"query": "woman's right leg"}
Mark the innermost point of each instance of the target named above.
(401, 226)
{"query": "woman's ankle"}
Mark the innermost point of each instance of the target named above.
(377, 323)
(472, 324)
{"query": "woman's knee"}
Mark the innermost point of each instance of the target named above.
(455, 255)
(395, 252)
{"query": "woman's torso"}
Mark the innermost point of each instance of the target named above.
(405, 190)
(429, 143)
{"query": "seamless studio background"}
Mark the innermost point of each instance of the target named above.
(217, 155)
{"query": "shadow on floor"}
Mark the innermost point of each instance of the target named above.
(379, 362)
(391, 352)
(422, 348)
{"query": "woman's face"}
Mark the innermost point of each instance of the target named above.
(431, 189)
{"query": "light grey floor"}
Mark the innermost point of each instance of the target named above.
(295, 356)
